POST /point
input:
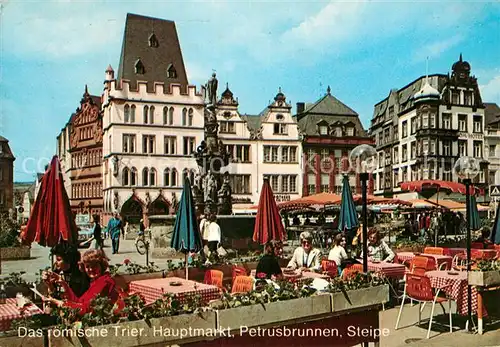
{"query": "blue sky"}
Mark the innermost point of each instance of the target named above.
(50, 50)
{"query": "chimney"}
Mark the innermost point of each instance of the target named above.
(300, 107)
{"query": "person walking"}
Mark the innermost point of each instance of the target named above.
(115, 227)
(213, 238)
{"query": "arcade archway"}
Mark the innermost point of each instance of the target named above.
(132, 210)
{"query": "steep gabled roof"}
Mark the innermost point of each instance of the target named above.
(491, 113)
(329, 105)
(5, 152)
(157, 58)
(253, 121)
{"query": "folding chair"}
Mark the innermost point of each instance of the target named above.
(238, 271)
(242, 284)
(214, 277)
(419, 288)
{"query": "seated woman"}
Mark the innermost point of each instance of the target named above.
(66, 268)
(268, 264)
(306, 257)
(95, 264)
(378, 250)
(338, 253)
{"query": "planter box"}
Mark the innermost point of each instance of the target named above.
(484, 278)
(15, 253)
(275, 312)
(19, 340)
(124, 280)
(158, 331)
(360, 298)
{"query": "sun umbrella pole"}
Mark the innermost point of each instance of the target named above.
(467, 183)
(186, 262)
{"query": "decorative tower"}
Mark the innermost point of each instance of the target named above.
(211, 188)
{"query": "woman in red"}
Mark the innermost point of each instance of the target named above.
(95, 265)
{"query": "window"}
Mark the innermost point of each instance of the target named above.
(455, 97)
(395, 178)
(274, 154)
(145, 112)
(165, 115)
(462, 148)
(311, 184)
(227, 127)
(289, 154)
(267, 154)
(380, 159)
(468, 98)
(133, 176)
(184, 116)
(325, 154)
(152, 177)
(446, 148)
(125, 176)
(350, 131)
(274, 180)
(405, 153)
(432, 147)
(170, 144)
(481, 176)
(139, 67)
(128, 143)
(323, 130)
(145, 174)
(171, 72)
(491, 151)
(325, 183)
(126, 114)
(425, 120)
(413, 150)
(478, 124)
(279, 129)
(395, 155)
(152, 115)
(166, 177)
(404, 128)
(414, 175)
(413, 125)
(432, 120)
(173, 178)
(425, 146)
(153, 41)
(185, 174)
(188, 148)
(171, 116)
(404, 171)
(446, 121)
(148, 144)
(240, 184)
(478, 149)
(462, 122)
(391, 112)
(190, 117)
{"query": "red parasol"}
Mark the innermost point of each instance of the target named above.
(51, 220)
(268, 226)
(454, 187)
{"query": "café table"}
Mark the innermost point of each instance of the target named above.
(300, 276)
(475, 253)
(154, 289)
(10, 312)
(391, 270)
(440, 259)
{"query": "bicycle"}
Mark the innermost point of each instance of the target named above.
(142, 244)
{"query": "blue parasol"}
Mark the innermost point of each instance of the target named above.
(348, 218)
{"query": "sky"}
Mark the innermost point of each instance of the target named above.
(49, 51)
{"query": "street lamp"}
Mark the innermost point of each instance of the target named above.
(363, 160)
(467, 168)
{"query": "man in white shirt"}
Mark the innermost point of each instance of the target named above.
(213, 236)
(204, 223)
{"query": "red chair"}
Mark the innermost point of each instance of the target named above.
(214, 277)
(242, 284)
(351, 271)
(330, 267)
(418, 288)
(239, 271)
(434, 250)
(477, 245)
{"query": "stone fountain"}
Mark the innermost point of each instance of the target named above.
(211, 188)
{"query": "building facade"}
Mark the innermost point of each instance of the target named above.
(492, 138)
(264, 145)
(6, 176)
(421, 129)
(330, 130)
(152, 122)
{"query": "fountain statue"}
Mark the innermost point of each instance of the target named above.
(212, 192)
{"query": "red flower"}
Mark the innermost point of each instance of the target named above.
(126, 261)
(261, 275)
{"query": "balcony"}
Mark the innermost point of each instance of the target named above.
(443, 133)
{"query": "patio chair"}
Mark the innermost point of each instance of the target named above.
(238, 271)
(418, 288)
(242, 284)
(214, 277)
(477, 245)
(330, 267)
(434, 250)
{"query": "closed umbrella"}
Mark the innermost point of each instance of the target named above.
(186, 236)
(475, 222)
(348, 218)
(268, 226)
(51, 221)
(495, 232)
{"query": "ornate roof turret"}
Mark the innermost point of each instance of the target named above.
(426, 93)
(227, 93)
(86, 96)
(460, 69)
(227, 97)
(280, 96)
(110, 69)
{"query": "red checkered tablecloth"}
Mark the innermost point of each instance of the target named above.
(304, 275)
(455, 286)
(391, 270)
(154, 289)
(9, 312)
(440, 259)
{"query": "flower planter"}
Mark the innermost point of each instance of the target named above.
(21, 338)
(160, 331)
(274, 312)
(15, 253)
(484, 278)
(360, 298)
(123, 280)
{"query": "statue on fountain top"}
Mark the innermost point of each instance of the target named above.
(211, 88)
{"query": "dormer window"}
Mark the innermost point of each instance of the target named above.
(338, 132)
(139, 67)
(153, 41)
(171, 72)
(350, 131)
(280, 118)
(323, 130)
(280, 129)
